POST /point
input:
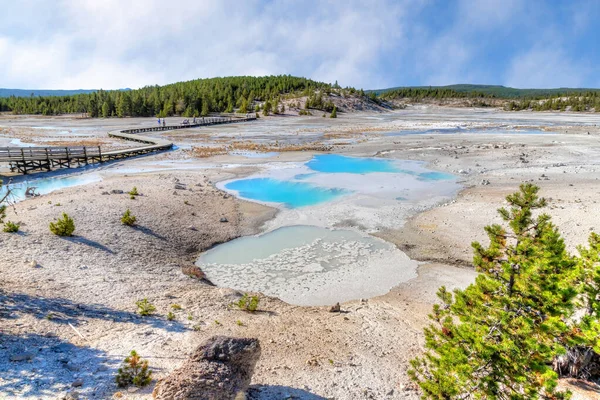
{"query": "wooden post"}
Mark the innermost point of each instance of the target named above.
(85, 155)
(48, 159)
(24, 163)
(99, 155)
(68, 158)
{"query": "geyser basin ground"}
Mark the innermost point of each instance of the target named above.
(308, 265)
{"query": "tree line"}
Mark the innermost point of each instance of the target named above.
(432, 93)
(589, 101)
(190, 99)
(572, 101)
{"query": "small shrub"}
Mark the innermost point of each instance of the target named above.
(11, 227)
(197, 327)
(49, 316)
(176, 307)
(170, 316)
(190, 317)
(64, 226)
(218, 323)
(247, 303)
(145, 308)
(239, 323)
(57, 205)
(134, 192)
(128, 219)
(134, 372)
(187, 203)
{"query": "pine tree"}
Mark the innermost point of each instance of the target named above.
(105, 110)
(497, 338)
(205, 110)
(244, 107)
(267, 108)
(333, 112)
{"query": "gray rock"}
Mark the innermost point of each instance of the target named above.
(25, 356)
(223, 220)
(220, 369)
(63, 348)
(102, 368)
(72, 395)
(72, 367)
(77, 383)
(335, 308)
(116, 191)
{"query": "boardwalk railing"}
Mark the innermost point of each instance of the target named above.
(25, 159)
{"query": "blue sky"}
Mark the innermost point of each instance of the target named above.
(72, 44)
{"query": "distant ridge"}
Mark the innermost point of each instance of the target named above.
(498, 91)
(44, 92)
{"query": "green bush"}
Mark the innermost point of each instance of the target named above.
(64, 226)
(11, 227)
(145, 308)
(247, 303)
(128, 219)
(134, 371)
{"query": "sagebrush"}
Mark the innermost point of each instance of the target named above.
(64, 226)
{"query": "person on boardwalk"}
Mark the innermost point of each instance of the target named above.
(164, 123)
(159, 122)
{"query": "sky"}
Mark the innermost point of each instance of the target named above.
(369, 44)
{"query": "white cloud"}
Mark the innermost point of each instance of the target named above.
(111, 44)
(114, 43)
(546, 68)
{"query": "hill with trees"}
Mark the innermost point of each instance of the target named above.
(189, 99)
(511, 99)
(496, 91)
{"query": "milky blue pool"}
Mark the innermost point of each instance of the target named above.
(47, 185)
(291, 194)
(330, 176)
(333, 163)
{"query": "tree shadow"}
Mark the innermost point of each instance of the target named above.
(33, 365)
(277, 392)
(64, 311)
(148, 231)
(88, 242)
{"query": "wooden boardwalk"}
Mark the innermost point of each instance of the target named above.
(26, 159)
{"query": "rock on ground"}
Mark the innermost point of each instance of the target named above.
(221, 369)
